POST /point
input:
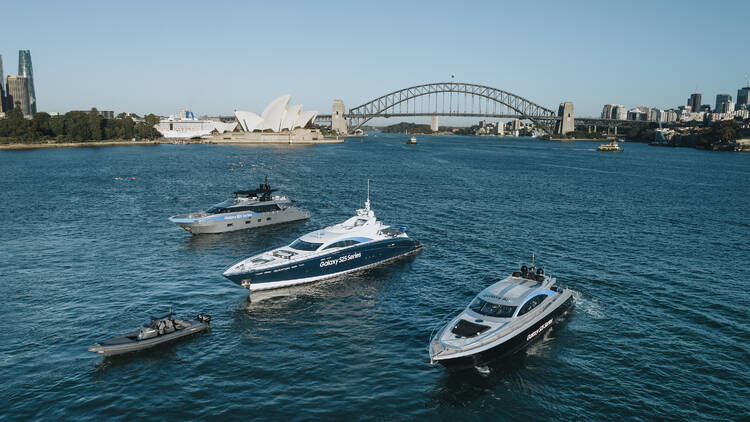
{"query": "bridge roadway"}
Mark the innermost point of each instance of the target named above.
(583, 121)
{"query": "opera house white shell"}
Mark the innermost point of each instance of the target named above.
(276, 117)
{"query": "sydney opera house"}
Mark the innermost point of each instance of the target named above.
(279, 123)
(278, 116)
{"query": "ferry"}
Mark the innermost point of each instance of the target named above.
(502, 319)
(248, 209)
(355, 244)
(613, 146)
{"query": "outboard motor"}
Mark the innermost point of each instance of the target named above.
(204, 318)
(524, 270)
(540, 272)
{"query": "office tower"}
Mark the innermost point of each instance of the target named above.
(695, 102)
(25, 69)
(18, 93)
(2, 86)
(742, 96)
(721, 99)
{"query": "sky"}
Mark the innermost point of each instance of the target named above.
(215, 57)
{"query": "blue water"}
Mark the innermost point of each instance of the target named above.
(654, 240)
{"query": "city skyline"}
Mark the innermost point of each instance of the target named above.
(142, 57)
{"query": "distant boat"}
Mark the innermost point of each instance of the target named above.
(610, 147)
(412, 141)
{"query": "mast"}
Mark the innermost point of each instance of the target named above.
(367, 203)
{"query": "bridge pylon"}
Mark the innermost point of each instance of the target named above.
(338, 119)
(567, 122)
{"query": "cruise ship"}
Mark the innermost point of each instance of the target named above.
(358, 243)
(185, 125)
(248, 209)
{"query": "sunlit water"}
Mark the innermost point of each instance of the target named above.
(654, 240)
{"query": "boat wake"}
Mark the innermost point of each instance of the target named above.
(589, 306)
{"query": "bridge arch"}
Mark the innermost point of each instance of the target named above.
(384, 105)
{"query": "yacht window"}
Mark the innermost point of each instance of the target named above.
(217, 210)
(264, 208)
(359, 222)
(531, 304)
(483, 307)
(342, 244)
(301, 245)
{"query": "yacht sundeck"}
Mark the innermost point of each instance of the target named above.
(359, 242)
(247, 210)
(504, 318)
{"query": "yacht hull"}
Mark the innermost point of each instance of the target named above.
(326, 266)
(514, 344)
(239, 221)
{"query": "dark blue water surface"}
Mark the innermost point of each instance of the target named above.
(655, 240)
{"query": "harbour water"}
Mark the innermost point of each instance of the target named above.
(654, 240)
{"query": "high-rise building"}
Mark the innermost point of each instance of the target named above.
(18, 93)
(726, 107)
(25, 69)
(721, 99)
(620, 112)
(2, 86)
(695, 102)
(742, 96)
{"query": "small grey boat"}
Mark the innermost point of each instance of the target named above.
(161, 329)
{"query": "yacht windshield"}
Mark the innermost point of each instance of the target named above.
(490, 309)
(301, 245)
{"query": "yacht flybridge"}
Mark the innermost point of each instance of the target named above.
(359, 242)
(504, 318)
(247, 210)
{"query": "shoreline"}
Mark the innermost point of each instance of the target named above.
(78, 144)
(24, 146)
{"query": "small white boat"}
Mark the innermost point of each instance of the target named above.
(503, 318)
(412, 141)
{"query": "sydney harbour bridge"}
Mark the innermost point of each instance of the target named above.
(459, 99)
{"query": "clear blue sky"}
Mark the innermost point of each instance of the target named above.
(217, 56)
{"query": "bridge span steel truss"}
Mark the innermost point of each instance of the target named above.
(445, 99)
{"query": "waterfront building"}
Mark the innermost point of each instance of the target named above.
(742, 96)
(278, 116)
(668, 116)
(25, 69)
(18, 93)
(720, 99)
(620, 112)
(695, 102)
(637, 114)
(610, 111)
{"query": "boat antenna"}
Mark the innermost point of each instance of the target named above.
(532, 260)
(367, 203)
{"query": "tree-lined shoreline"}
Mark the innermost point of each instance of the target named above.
(75, 127)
